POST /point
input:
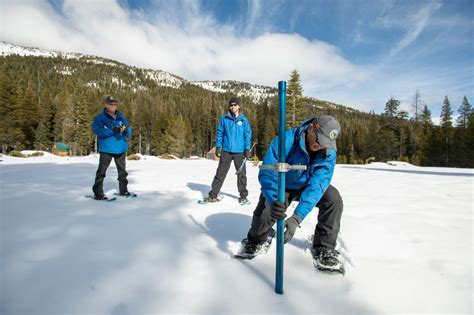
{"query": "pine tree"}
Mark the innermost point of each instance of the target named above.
(159, 142)
(447, 129)
(11, 135)
(403, 134)
(463, 150)
(294, 100)
(391, 107)
(425, 140)
(425, 117)
(269, 125)
(63, 119)
(80, 129)
(43, 137)
(259, 128)
(358, 140)
(269, 134)
(446, 114)
(391, 130)
(469, 136)
(177, 137)
(464, 111)
(373, 147)
(415, 130)
(25, 115)
(417, 102)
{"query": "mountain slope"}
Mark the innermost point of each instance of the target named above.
(162, 78)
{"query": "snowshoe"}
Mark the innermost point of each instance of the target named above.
(249, 249)
(100, 198)
(127, 194)
(244, 201)
(327, 259)
(209, 200)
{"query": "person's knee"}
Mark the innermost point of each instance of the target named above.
(262, 204)
(100, 173)
(333, 196)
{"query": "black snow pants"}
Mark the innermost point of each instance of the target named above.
(329, 218)
(224, 165)
(104, 162)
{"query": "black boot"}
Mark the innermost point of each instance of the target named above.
(249, 249)
(327, 259)
(211, 199)
(243, 200)
(101, 197)
(128, 194)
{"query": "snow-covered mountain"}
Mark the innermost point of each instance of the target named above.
(162, 78)
(257, 92)
(9, 49)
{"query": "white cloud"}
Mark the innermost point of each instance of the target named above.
(254, 14)
(195, 47)
(414, 25)
(420, 22)
(180, 38)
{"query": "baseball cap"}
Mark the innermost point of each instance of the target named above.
(110, 99)
(328, 129)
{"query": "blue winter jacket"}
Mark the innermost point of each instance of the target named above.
(313, 182)
(108, 141)
(234, 133)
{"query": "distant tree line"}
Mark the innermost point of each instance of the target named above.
(47, 100)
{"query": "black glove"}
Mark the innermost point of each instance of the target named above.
(218, 152)
(277, 210)
(290, 226)
(247, 154)
(116, 130)
(124, 130)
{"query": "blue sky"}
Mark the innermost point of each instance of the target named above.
(357, 53)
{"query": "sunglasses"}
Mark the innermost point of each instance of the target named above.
(233, 104)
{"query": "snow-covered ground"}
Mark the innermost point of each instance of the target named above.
(408, 233)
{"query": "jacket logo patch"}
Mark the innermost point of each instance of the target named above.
(239, 123)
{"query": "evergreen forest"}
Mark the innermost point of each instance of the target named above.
(44, 100)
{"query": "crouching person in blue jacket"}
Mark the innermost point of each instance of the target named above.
(113, 131)
(313, 144)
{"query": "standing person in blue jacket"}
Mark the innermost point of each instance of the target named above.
(313, 144)
(233, 139)
(113, 131)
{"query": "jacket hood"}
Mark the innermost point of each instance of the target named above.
(305, 123)
(301, 129)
